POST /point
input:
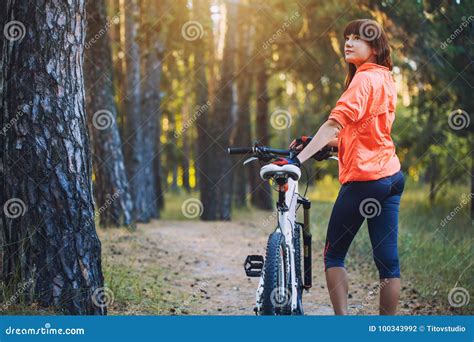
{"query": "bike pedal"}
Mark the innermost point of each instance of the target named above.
(253, 265)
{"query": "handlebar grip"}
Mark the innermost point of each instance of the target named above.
(240, 150)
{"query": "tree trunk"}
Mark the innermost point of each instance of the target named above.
(203, 123)
(152, 63)
(118, 45)
(48, 218)
(187, 115)
(261, 191)
(186, 157)
(244, 91)
(172, 159)
(159, 178)
(135, 152)
(111, 184)
(225, 117)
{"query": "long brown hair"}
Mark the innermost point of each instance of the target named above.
(370, 31)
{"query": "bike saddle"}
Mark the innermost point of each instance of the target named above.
(268, 171)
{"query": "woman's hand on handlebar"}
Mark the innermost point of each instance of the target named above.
(299, 143)
(324, 153)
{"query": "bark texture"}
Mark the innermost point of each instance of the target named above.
(47, 224)
(111, 184)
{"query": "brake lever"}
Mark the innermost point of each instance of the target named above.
(251, 159)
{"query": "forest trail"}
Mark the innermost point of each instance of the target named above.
(201, 264)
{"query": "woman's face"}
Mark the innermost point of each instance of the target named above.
(358, 51)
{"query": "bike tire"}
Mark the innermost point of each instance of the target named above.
(276, 296)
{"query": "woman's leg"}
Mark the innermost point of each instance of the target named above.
(338, 287)
(346, 219)
(389, 295)
(383, 231)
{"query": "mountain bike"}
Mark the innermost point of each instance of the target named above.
(282, 272)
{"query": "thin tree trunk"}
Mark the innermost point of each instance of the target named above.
(187, 113)
(186, 157)
(111, 184)
(159, 178)
(118, 45)
(225, 116)
(172, 153)
(152, 65)
(203, 123)
(48, 221)
(261, 193)
(135, 152)
(244, 91)
(174, 182)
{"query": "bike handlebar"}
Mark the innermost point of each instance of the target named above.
(258, 149)
(264, 149)
(240, 150)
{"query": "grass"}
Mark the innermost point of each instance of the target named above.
(435, 254)
(139, 291)
(138, 284)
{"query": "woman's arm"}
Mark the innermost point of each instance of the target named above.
(325, 134)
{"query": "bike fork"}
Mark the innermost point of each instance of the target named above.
(307, 241)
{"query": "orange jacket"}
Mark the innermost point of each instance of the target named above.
(366, 111)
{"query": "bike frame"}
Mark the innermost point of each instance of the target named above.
(288, 199)
(286, 223)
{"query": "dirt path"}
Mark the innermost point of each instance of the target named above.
(202, 269)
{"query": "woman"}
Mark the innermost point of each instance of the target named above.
(369, 169)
